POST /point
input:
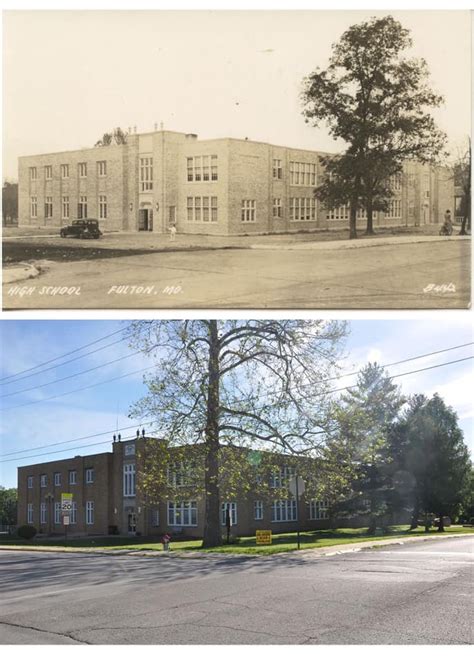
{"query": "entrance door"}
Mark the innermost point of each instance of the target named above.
(132, 523)
(143, 219)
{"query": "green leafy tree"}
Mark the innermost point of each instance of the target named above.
(364, 417)
(8, 507)
(250, 384)
(377, 102)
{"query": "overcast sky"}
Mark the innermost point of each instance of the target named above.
(26, 343)
(70, 76)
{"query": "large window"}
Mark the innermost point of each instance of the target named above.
(395, 182)
(258, 510)
(338, 213)
(57, 513)
(102, 168)
(202, 208)
(249, 209)
(182, 513)
(280, 478)
(394, 209)
(34, 207)
(48, 207)
(302, 174)
(43, 513)
(29, 514)
(179, 474)
(302, 209)
(48, 172)
(82, 168)
(146, 173)
(202, 168)
(65, 207)
(232, 508)
(89, 513)
(102, 207)
(277, 169)
(82, 207)
(318, 509)
(129, 480)
(283, 511)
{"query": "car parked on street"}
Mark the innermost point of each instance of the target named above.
(83, 229)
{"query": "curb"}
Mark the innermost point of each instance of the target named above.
(335, 245)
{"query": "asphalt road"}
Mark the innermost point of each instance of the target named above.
(419, 593)
(389, 276)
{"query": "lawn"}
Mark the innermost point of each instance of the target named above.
(245, 545)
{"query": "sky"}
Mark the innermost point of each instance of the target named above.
(68, 77)
(103, 409)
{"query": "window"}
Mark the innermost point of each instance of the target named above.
(277, 169)
(248, 211)
(73, 513)
(182, 513)
(34, 207)
(394, 209)
(395, 182)
(338, 213)
(89, 513)
(129, 480)
(57, 513)
(232, 508)
(146, 174)
(202, 208)
(48, 172)
(277, 208)
(82, 207)
(129, 449)
(90, 475)
(43, 513)
(280, 478)
(48, 207)
(64, 171)
(33, 173)
(82, 167)
(65, 207)
(72, 477)
(29, 514)
(30, 482)
(155, 517)
(102, 168)
(102, 207)
(302, 174)
(43, 480)
(57, 478)
(201, 168)
(318, 509)
(302, 209)
(179, 474)
(258, 510)
(283, 511)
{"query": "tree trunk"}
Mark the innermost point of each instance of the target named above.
(212, 527)
(463, 226)
(353, 222)
(441, 524)
(370, 219)
(415, 516)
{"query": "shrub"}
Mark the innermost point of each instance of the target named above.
(26, 531)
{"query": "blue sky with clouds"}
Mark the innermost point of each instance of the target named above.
(33, 418)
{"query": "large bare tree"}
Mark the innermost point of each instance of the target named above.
(254, 384)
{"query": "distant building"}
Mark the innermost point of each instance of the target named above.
(221, 186)
(107, 498)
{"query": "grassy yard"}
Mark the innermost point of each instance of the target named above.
(245, 545)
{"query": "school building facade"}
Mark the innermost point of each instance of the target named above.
(221, 186)
(107, 498)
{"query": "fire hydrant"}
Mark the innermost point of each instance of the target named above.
(166, 541)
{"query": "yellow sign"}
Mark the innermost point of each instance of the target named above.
(263, 537)
(66, 502)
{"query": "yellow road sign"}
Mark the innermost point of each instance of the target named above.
(263, 537)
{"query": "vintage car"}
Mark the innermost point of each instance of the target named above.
(82, 228)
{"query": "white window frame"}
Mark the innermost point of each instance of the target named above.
(72, 477)
(102, 207)
(394, 209)
(233, 512)
(277, 169)
(318, 509)
(48, 172)
(43, 513)
(280, 478)
(277, 208)
(182, 514)
(48, 207)
(129, 478)
(29, 513)
(146, 173)
(34, 207)
(89, 512)
(57, 478)
(65, 207)
(202, 168)
(340, 213)
(302, 173)
(73, 513)
(30, 481)
(64, 171)
(248, 211)
(57, 513)
(283, 511)
(43, 480)
(90, 475)
(302, 209)
(102, 168)
(82, 169)
(82, 207)
(258, 510)
(202, 209)
(33, 173)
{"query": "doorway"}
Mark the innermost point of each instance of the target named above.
(145, 219)
(132, 522)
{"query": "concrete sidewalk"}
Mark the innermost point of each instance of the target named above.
(360, 243)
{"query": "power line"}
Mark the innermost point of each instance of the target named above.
(419, 370)
(66, 354)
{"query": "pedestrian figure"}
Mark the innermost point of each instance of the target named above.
(172, 232)
(447, 227)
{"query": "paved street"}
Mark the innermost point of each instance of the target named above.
(388, 276)
(418, 593)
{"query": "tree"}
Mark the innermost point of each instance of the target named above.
(437, 457)
(8, 507)
(9, 201)
(376, 101)
(462, 180)
(364, 416)
(250, 384)
(117, 135)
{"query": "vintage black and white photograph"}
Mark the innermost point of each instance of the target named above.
(236, 159)
(237, 482)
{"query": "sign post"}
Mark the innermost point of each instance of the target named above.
(296, 487)
(66, 508)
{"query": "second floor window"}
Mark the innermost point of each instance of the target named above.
(64, 171)
(90, 475)
(48, 172)
(57, 478)
(30, 482)
(302, 174)
(280, 478)
(102, 168)
(277, 169)
(33, 173)
(146, 174)
(43, 481)
(202, 168)
(72, 477)
(129, 480)
(82, 167)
